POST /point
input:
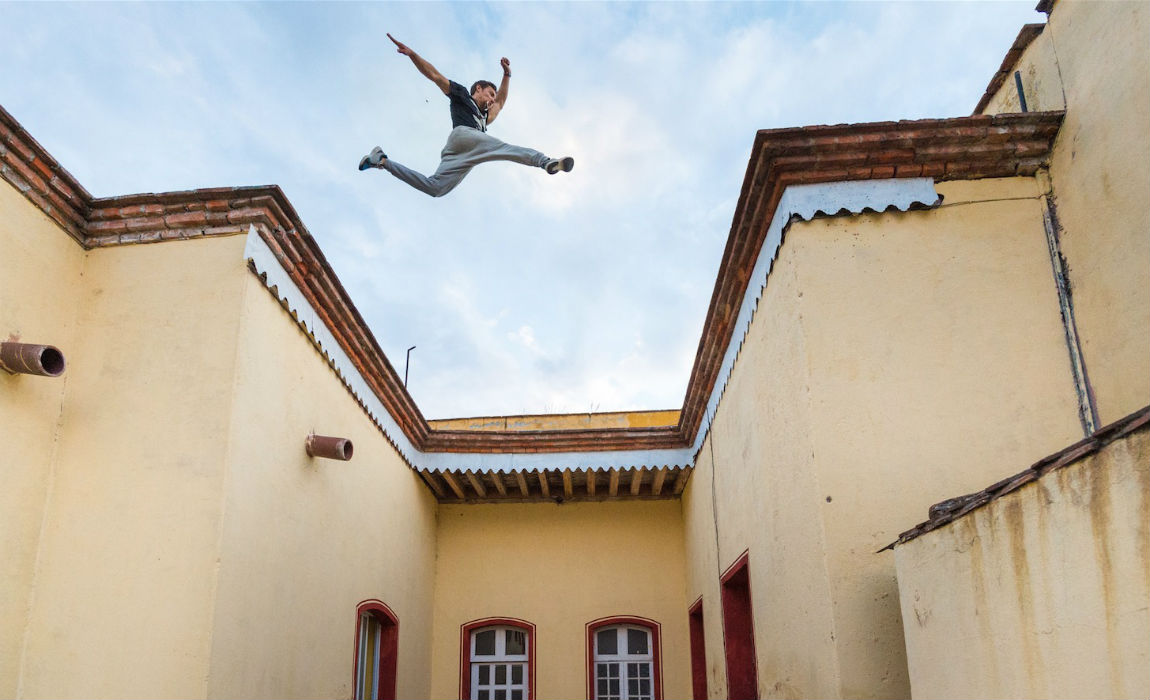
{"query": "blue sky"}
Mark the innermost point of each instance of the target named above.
(523, 292)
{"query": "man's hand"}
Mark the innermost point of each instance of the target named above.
(504, 63)
(423, 66)
(401, 47)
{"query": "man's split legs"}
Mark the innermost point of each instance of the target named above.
(465, 149)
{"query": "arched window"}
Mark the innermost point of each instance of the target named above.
(376, 651)
(624, 659)
(498, 660)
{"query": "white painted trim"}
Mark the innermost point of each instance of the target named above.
(801, 201)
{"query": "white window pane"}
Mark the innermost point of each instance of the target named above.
(636, 641)
(607, 641)
(484, 674)
(517, 674)
(483, 695)
(516, 695)
(485, 643)
(501, 674)
(500, 695)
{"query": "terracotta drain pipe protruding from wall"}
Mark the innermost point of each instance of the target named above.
(328, 447)
(26, 358)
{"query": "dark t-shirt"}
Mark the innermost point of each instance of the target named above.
(464, 111)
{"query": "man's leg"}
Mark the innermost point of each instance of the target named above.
(485, 148)
(465, 149)
(446, 177)
(490, 148)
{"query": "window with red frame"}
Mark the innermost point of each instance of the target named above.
(624, 656)
(376, 651)
(498, 660)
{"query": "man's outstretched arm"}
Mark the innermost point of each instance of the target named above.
(501, 95)
(424, 67)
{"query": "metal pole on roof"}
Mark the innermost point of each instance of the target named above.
(406, 363)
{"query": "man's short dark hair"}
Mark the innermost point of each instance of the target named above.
(482, 84)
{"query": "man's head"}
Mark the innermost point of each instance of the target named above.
(483, 92)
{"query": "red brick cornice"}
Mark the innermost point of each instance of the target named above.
(960, 148)
(39, 177)
(148, 218)
(1026, 35)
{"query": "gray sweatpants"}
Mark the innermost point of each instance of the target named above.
(465, 149)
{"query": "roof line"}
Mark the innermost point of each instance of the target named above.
(980, 146)
(972, 147)
(1026, 35)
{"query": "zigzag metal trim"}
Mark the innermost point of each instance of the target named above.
(804, 202)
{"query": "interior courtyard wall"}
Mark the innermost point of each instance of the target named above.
(127, 563)
(1045, 588)
(1097, 55)
(895, 360)
(559, 567)
(756, 465)
(937, 365)
(304, 539)
(40, 272)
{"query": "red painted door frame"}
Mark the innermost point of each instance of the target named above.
(739, 632)
(698, 651)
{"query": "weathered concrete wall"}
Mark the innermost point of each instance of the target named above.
(1094, 58)
(1042, 592)
(305, 540)
(895, 360)
(561, 567)
(40, 266)
(757, 465)
(127, 560)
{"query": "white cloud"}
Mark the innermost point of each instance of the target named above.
(521, 291)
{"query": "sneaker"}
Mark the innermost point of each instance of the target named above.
(556, 164)
(373, 160)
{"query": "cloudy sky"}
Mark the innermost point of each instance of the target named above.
(522, 292)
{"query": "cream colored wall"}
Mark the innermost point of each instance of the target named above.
(769, 502)
(562, 421)
(560, 567)
(1042, 593)
(127, 558)
(1099, 54)
(305, 540)
(896, 360)
(1041, 83)
(938, 364)
(39, 291)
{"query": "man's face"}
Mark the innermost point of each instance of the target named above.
(484, 96)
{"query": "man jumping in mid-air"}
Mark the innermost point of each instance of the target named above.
(468, 145)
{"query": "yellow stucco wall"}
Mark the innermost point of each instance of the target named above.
(39, 265)
(127, 559)
(1041, 83)
(562, 421)
(768, 493)
(1042, 593)
(305, 540)
(896, 359)
(560, 567)
(1098, 56)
